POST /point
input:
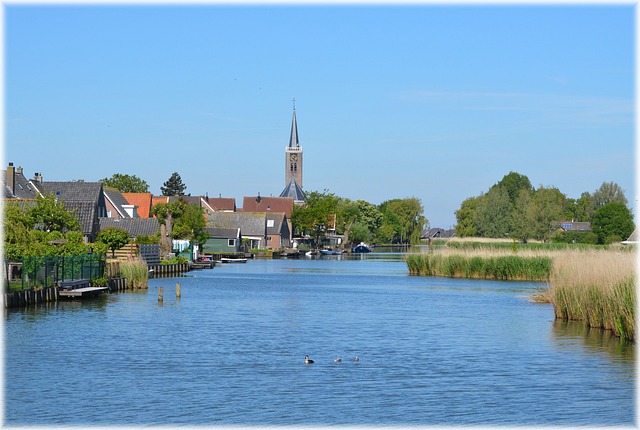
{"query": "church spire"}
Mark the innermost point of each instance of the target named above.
(293, 140)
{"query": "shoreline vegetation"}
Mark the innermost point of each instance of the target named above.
(585, 283)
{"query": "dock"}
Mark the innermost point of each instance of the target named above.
(82, 292)
(79, 288)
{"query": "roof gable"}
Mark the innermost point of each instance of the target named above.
(250, 224)
(134, 226)
(142, 201)
(268, 204)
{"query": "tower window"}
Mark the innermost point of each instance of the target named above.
(292, 167)
(295, 167)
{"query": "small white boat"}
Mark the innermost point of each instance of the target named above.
(233, 260)
(330, 252)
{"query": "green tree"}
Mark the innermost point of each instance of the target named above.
(315, 217)
(359, 233)
(612, 222)
(546, 209)
(126, 183)
(521, 223)
(493, 213)
(174, 186)
(405, 217)
(166, 214)
(609, 192)
(466, 218)
(115, 238)
(48, 214)
(513, 183)
(191, 225)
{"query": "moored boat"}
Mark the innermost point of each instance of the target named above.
(361, 248)
(233, 260)
(330, 252)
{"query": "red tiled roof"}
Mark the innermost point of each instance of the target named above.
(142, 201)
(268, 204)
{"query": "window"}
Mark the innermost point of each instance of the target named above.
(232, 242)
(270, 223)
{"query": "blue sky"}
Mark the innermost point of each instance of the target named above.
(430, 101)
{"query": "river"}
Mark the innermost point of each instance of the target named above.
(230, 351)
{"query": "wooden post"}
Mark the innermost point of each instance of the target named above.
(160, 298)
(178, 292)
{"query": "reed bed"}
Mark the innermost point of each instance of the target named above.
(136, 274)
(594, 285)
(482, 263)
(597, 288)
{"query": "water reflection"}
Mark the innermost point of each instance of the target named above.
(568, 333)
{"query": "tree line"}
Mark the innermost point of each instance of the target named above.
(514, 208)
(398, 221)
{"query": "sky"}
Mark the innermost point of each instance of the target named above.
(422, 100)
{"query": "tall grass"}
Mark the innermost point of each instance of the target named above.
(136, 274)
(481, 264)
(597, 288)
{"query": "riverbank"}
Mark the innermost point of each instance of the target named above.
(597, 287)
(475, 264)
(594, 285)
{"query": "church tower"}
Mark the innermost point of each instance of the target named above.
(293, 163)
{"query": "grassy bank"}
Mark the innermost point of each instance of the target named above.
(481, 264)
(597, 288)
(136, 273)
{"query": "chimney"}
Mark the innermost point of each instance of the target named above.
(19, 170)
(37, 177)
(11, 179)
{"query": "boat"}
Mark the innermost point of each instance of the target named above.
(330, 252)
(233, 260)
(361, 248)
(311, 253)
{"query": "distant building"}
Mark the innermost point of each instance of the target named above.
(293, 165)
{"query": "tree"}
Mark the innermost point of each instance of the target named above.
(493, 214)
(22, 239)
(405, 217)
(609, 192)
(174, 186)
(315, 217)
(115, 238)
(50, 215)
(466, 218)
(546, 209)
(612, 222)
(190, 225)
(166, 213)
(513, 183)
(521, 224)
(126, 183)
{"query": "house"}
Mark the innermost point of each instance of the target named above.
(224, 204)
(16, 186)
(574, 226)
(141, 203)
(252, 225)
(268, 204)
(278, 230)
(262, 230)
(117, 205)
(222, 241)
(134, 226)
(438, 233)
(85, 199)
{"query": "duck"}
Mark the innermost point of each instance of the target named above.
(338, 360)
(307, 360)
(356, 358)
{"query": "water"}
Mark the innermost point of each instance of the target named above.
(432, 351)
